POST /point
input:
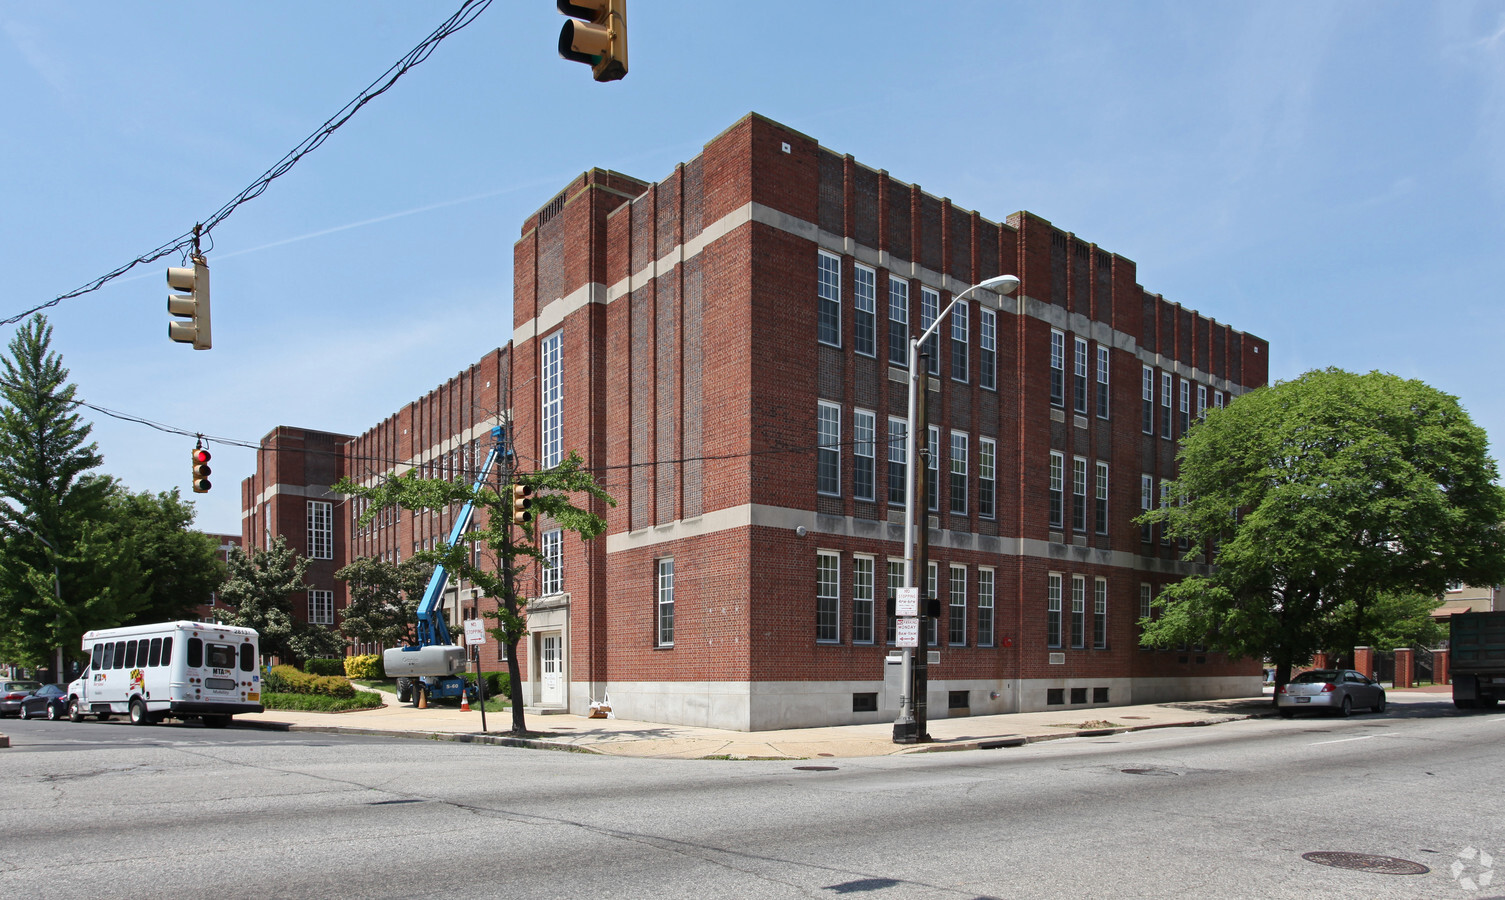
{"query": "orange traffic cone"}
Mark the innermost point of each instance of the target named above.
(464, 701)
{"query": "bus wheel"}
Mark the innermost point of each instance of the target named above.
(75, 710)
(139, 715)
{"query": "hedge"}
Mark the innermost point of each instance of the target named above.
(321, 703)
(496, 683)
(369, 667)
(324, 666)
(288, 680)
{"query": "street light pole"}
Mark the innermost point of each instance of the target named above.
(906, 728)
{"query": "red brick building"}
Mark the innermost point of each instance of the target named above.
(725, 348)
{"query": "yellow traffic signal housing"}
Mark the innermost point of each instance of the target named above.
(522, 504)
(193, 305)
(599, 40)
(200, 470)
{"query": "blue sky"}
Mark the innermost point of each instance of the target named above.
(1328, 176)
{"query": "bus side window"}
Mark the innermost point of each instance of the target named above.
(195, 653)
(119, 655)
(109, 661)
(130, 654)
(167, 651)
(97, 661)
(154, 655)
(247, 657)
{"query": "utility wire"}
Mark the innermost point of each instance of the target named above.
(466, 14)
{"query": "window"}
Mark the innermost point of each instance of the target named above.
(932, 625)
(987, 353)
(1165, 404)
(321, 607)
(1217, 399)
(864, 424)
(1057, 368)
(1147, 391)
(1057, 477)
(320, 529)
(828, 307)
(959, 473)
(898, 321)
(1165, 500)
(1146, 500)
(985, 607)
(1078, 611)
(865, 306)
(961, 326)
(1100, 514)
(665, 602)
(933, 468)
(956, 622)
(1079, 382)
(1102, 382)
(1183, 404)
(827, 597)
(1078, 494)
(930, 309)
(551, 544)
(828, 462)
(862, 600)
(895, 581)
(987, 485)
(1145, 597)
(1201, 401)
(898, 456)
(1100, 614)
(1053, 610)
(551, 409)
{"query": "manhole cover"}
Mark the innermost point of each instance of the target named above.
(1364, 862)
(815, 768)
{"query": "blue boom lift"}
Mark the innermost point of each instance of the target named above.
(433, 666)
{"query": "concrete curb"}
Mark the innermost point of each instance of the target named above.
(1020, 740)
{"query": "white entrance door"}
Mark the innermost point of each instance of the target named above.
(551, 668)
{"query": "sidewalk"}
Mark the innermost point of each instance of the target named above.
(621, 737)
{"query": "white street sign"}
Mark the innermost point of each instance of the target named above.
(908, 632)
(907, 603)
(475, 631)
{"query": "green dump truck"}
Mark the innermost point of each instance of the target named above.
(1478, 659)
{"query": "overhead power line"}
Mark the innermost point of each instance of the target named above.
(466, 14)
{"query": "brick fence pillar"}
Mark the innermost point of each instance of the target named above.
(1405, 660)
(1442, 666)
(1319, 660)
(1363, 660)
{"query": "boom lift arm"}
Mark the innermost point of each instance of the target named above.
(433, 664)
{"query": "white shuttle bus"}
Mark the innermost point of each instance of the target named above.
(186, 670)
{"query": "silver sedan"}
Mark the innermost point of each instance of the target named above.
(1337, 691)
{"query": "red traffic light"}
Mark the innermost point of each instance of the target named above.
(200, 470)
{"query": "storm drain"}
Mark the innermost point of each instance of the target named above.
(1151, 770)
(815, 768)
(1364, 862)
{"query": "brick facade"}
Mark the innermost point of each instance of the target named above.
(691, 370)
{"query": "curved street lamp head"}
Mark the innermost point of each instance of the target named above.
(1003, 284)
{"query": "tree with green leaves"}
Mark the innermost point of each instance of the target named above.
(382, 599)
(259, 592)
(510, 547)
(1321, 501)
(64, 568)
(180, 567)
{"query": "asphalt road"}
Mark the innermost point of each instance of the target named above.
(109, 810)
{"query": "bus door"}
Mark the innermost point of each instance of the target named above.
(215, 663)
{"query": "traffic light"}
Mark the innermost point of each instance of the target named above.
(522, 504)
(600, 40)
(193, 305)
(200, 470)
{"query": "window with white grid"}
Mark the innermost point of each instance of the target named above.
(551, 407)
(320, 529)
(321, 607)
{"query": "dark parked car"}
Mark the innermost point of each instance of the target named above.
(1332, 690)
(50, 701)
(11, 693)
